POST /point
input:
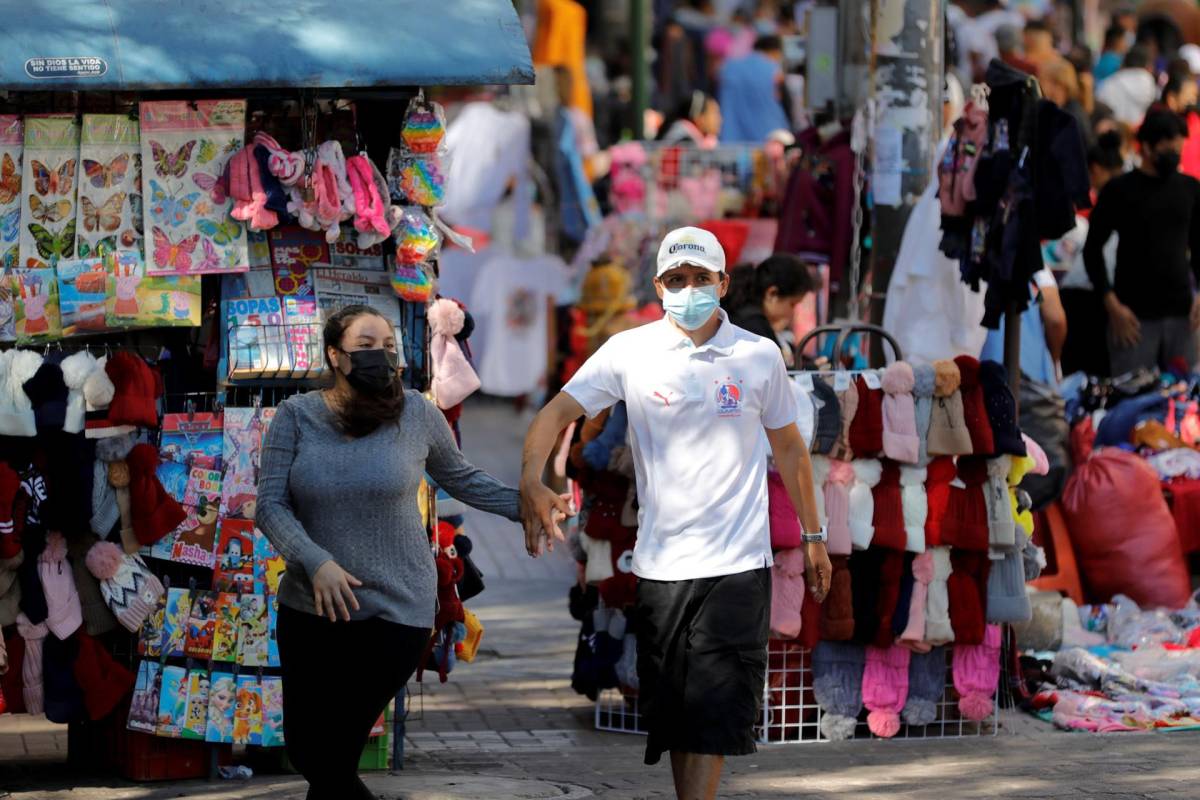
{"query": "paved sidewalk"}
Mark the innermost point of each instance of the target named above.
(509, 726)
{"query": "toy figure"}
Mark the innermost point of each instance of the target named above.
(450, 572)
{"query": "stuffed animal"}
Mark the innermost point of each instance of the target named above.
(450, 572)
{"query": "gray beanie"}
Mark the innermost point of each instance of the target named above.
(926, 685)
(1007, 600)
(923, 398)
(105, 512)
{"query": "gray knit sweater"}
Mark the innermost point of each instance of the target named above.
(323, 495)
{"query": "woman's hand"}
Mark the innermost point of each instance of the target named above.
(332, 591)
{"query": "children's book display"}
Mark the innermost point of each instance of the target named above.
(206, 647)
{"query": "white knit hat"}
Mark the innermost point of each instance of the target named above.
(916, 507)
(867, 472)
(16, 410)
(75, 370)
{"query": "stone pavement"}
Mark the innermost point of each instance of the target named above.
(509, 726)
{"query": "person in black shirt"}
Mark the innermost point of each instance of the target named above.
(763, 299)
(1152, 308)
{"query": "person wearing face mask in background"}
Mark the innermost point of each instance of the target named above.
(1152, 309)
(337, 497)
(763, 299)
(698, 392)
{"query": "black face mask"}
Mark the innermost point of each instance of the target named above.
(1166, 163)
(372, 371)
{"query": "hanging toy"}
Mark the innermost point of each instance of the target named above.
(412, 283)
(424, 127)
(416, 237)
(421, 181)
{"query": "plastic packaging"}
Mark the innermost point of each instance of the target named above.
(417, 238)
(1132, 628)
(412, 283)
(419, 180)
(424, 130)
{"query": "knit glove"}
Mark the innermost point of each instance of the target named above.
(837, 687)
(926, 685)
(867, 473)
(916, 508)
(937, 608)
(976, 672)
(885, 688)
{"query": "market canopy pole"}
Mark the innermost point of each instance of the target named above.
(639, 43)
(906, 71)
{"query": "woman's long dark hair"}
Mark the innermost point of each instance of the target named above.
(748, 284)
(361, 414)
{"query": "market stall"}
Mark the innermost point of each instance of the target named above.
(186, 192)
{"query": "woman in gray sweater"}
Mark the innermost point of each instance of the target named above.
(337, 496)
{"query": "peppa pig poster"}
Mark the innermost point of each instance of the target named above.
(35, 305)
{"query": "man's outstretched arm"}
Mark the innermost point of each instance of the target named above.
(541, 508)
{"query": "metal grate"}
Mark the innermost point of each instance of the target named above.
(791, 715)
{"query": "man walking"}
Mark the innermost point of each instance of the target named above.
(699, 393)
(1155, 210)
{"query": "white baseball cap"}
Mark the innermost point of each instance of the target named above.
(694, 246)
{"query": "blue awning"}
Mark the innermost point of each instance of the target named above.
(106, 45)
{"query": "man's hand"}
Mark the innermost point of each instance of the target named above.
(541, 512)
(1195, 315)
(1126, 329)
(819, 571)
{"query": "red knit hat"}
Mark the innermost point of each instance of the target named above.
(105, 683)
(937, 493)
(975, 407)
(889, 509)
(135, 390)
(810, 622)
(866, 431)
(891, 573)
(155, 513)
(10, 526)
(837, 612)
(967, 588)
(966, 523)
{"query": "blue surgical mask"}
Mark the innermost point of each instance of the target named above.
(692, 306)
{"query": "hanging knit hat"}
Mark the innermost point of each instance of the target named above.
(938, 476)
(48, 394)
(11, 524)
(866, 431)
(32, 681)
(105, 511)
(903, 601)
(948, 434)
(866, 567)
(829, 417)
(787, 593)
(861, 518)
(16, 411)
(155, 513)
(926, 686)
(900, 440)
(1007, 600)
(913, 634)
(976, 672)
(923, 407)
(890, 576)
(1001, 409)
(75, 371)
(98, 618)
(837, 686)
(454, 379)
(129, 588)
(63, 612)
(967, 589)
(810, 622)
(837, 612)
(916, 509)
(98, 393)
(974, 407)
(888, 517)
(1002, 530)
(136, 388)
(104, 682)
(63, 697)
(938, 629)
(847, 408)
(806, 415)
(820, 473)
(837, 507)
(966, 522)
(885, 688)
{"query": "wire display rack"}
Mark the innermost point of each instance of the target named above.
(791, 715)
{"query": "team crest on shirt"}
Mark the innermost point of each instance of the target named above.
(729, 398)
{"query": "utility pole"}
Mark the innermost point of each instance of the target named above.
(907, 71)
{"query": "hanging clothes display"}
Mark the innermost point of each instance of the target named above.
(817, 212)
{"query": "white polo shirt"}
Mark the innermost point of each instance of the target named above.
(696, 420)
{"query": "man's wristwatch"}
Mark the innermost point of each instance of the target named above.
(813, 538)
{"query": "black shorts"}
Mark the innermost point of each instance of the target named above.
(702, 662)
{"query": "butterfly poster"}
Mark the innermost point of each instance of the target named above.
(49, 186)
(186, 205)
(36, 314)
(110, 186)
(12, 142)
